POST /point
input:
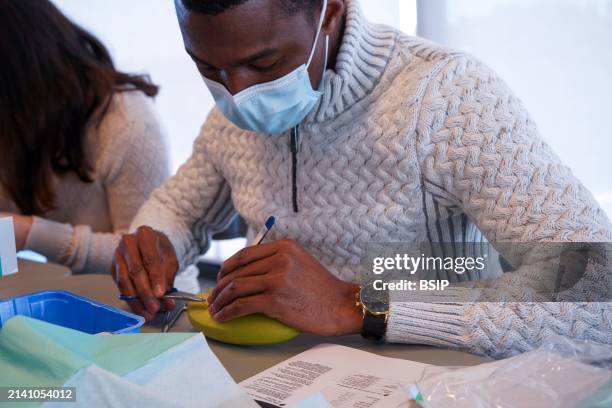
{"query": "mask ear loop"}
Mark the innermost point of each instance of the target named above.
(326, 52)
(314, 46)
(325, 64)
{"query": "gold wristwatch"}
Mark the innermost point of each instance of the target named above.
(375, 307)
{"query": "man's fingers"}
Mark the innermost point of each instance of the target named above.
(139, 309)
(170, 262)
(169, 266)
(260, 267)
(169, 304)
(120, 275)
(243, 306)
(246, 256)
(239, 288)
(121, 278)
(152, 259)
(137, 273)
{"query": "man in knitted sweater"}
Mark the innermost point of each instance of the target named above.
(350, 133)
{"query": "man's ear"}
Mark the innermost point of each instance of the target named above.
(333, 16)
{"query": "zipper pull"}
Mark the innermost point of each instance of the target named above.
(294, 142)
(295, 139)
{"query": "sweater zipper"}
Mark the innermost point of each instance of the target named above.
(294, 140)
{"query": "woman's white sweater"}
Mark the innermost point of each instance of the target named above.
(129, 155)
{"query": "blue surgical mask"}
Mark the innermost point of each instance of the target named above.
(276, 106)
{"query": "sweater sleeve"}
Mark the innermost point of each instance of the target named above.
(131, 161)
(478, 144)
(193, 204)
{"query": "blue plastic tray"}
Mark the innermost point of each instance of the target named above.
(72, 311)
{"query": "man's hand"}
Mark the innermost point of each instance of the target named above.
(283, 281)
(22, 225)
(145, 264)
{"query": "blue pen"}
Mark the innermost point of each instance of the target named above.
(263, 231)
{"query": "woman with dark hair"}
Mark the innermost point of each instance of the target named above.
(80, 143)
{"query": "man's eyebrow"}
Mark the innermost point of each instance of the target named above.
(195, 57)
(261, 54)
(252, 58)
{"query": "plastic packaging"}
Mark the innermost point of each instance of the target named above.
(560, 373)
(69, 310)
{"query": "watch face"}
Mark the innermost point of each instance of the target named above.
(376, 301)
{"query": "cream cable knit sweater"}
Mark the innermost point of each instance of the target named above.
(410, 142)
(130, 158)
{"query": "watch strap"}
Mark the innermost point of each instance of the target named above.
(374, 326)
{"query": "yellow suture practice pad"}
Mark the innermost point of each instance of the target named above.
(252, 330)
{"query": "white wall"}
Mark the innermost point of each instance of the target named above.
(143, 36)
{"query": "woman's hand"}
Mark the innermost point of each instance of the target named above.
(22, 225)
(283, 281)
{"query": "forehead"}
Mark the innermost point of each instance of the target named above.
(249, 27)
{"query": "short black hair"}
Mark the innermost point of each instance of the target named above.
(214, 7)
